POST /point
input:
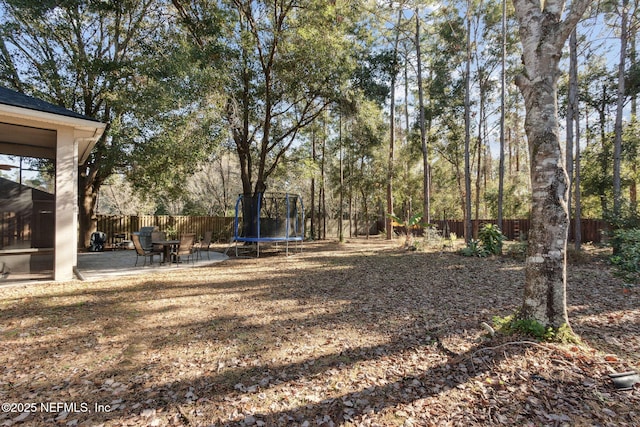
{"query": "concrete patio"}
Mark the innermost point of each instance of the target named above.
(110, 263)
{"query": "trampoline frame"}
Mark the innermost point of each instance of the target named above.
(294, 225)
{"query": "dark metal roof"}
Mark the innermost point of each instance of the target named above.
(17, 99)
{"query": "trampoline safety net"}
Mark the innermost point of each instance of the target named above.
(269, 217)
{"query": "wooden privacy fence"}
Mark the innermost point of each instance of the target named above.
(593, 230)
(112, 225)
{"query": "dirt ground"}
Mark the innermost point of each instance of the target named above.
(356, 334)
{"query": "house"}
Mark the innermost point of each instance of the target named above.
(35, 128)
(27, 234)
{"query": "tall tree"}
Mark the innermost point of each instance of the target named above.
(503, 96)
(544, 28)
(341, 185)
(617, 145)
(468, 228)
(577, 185)
(87, 56)
(312, 206)
(570, 120)
(596, 88)
(426, 182)
(485, 59)
(272, 43)
(573, 128)
(363, 142)
(632, 88)
(322, 198)
(444, 107)
(392, 127)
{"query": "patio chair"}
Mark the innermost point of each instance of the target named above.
(157, 236)
(185, 248)
(141, 252)
(4, 270)
(204, 244)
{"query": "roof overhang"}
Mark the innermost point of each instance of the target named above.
(27, 132)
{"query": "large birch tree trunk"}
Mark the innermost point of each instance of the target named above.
(543, 33)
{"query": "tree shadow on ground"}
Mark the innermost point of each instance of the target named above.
(399, 329)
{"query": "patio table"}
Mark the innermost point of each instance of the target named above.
(166, 247)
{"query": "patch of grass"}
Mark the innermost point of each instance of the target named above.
(565, 334)
(513, 324)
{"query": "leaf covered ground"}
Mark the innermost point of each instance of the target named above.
(355, 334)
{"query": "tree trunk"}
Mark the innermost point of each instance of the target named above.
(426, 182)
(517, 139)
(604, 158)
(388, 220)
(238, 116)
(87, 222)
(543, 35)
(366, 213)
(392, 134)
(503, 86)
(406, 101)
(633, 191)
(573, 86)
(322, 201)
(312, 208)
(354, 214)
(573, 102)
(479, 144)
(341, 198)
(577, 234)
(634, 27)
(545, 268)
(467, 135)
(89, 182)
(617, 146)
(350, 192)
(461, 191)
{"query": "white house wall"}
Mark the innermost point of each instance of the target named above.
(65, 255)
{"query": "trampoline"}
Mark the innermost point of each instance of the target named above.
(269, 218)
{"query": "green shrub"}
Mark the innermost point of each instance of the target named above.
(473, 248)
(409, 225)
(626, 219)
(489, 242)
(491, 238)
(627, 258)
